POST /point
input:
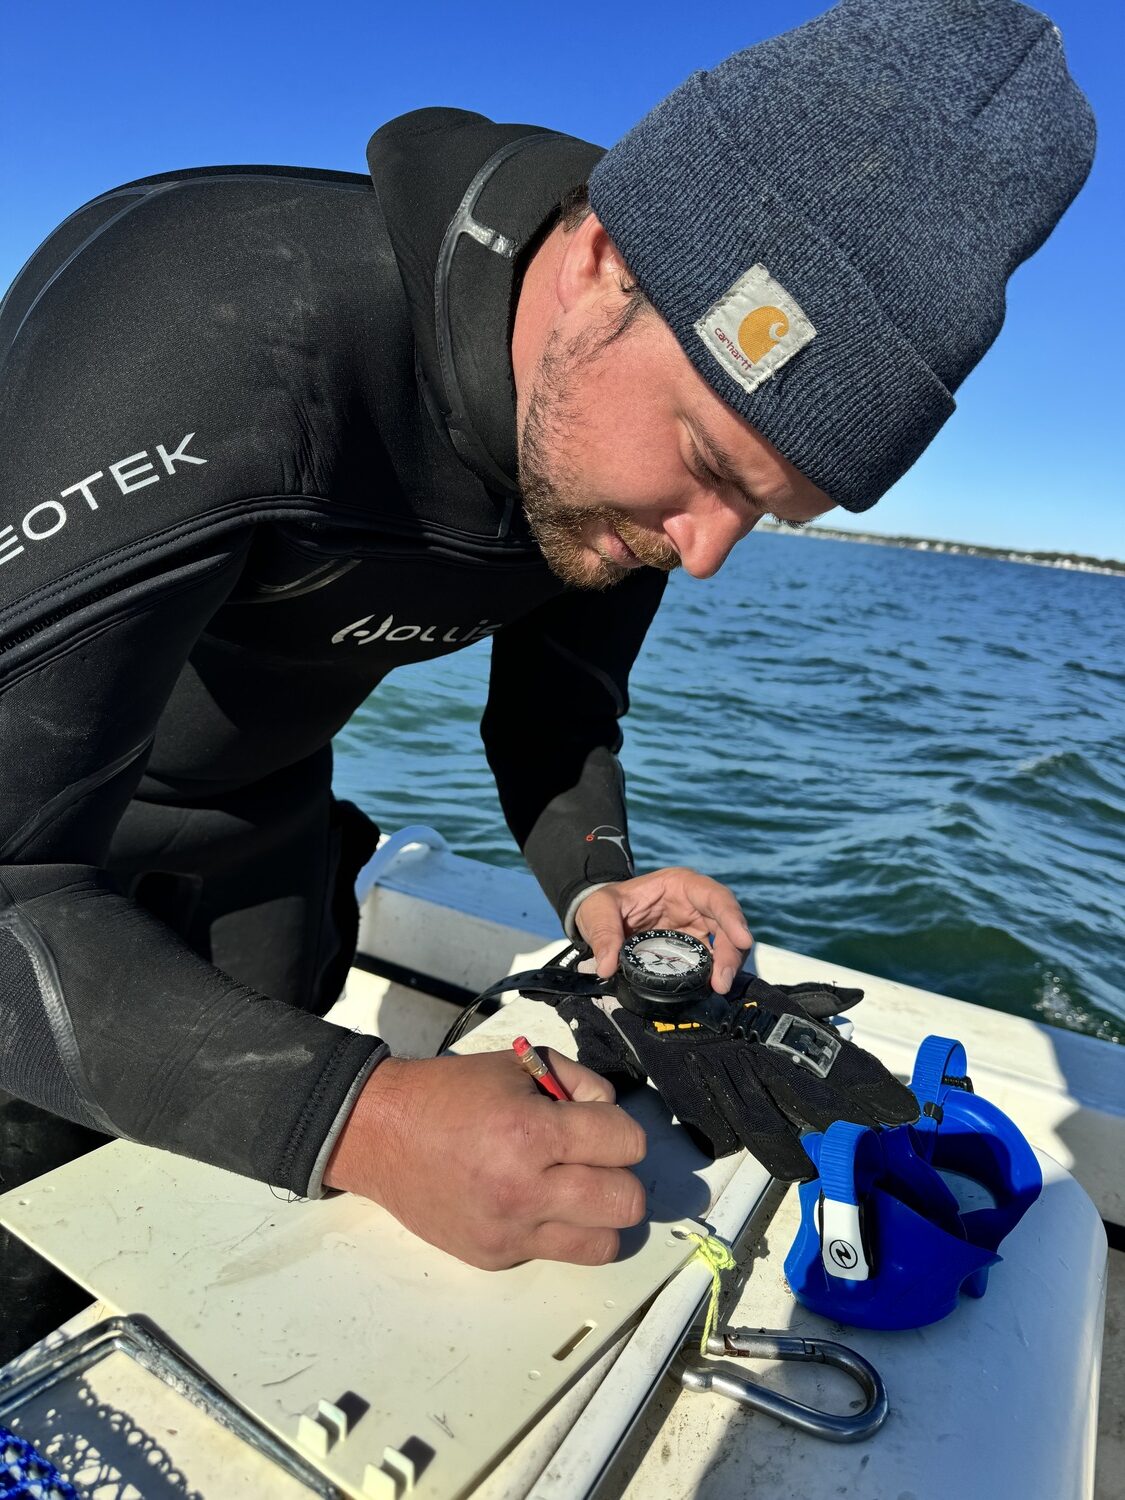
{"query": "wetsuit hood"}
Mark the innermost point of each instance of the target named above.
(465, 201)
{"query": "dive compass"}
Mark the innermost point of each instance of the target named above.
(663, 973)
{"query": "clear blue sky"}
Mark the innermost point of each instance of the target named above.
(94, 94)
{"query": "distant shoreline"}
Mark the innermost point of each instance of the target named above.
(1069, 560)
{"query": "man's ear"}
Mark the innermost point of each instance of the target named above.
(590, 269)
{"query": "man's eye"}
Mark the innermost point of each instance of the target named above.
(708, 475)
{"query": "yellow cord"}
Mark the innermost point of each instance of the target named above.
(716, 1254)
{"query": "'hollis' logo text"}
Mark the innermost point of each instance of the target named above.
(387, 630)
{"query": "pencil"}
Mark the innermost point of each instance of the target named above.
(539, 1070)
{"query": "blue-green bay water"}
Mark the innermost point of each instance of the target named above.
(907, 762)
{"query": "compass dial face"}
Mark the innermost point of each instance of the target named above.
(664, 955)
(667, 958)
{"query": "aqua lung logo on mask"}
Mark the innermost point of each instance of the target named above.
(754, 329)
(456, 635)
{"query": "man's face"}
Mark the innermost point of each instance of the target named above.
(621, 445)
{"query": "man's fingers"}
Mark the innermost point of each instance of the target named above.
(731, 938)
(593, 1197)
(592, 1135)
(466, 1153)
(720, 904)
(582, 1084)
(570, 1242)
(695, 903)
(727, 960)
(679, 898)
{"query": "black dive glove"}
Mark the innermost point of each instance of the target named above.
(756, 1075)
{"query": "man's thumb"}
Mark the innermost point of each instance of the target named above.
(599, 922)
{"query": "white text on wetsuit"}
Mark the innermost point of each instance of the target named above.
(387, 630)
(133, 473)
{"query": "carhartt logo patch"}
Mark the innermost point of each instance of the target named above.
(755, 328)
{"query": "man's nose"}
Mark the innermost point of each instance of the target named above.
(704, 534)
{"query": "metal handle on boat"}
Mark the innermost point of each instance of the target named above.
(376, 868)
(821, 1424)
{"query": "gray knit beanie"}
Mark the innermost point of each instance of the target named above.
(828, 220)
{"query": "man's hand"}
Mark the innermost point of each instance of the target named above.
(675, 898)
(467, 1153)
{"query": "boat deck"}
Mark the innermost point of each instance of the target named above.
(435, 929)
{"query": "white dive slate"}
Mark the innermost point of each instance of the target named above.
(286, 1305)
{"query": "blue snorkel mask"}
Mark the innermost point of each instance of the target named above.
(884, 1241)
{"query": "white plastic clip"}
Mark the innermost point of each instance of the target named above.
(838, 1211)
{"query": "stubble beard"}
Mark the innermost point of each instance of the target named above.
(560, 522)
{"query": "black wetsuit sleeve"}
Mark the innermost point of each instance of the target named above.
(551, 729)
(139, 427)
(107, 1017)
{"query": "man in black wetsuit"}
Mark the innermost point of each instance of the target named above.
(269, 433)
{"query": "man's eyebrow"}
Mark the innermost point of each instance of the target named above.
(723, 465)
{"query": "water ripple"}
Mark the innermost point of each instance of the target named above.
(907, 762)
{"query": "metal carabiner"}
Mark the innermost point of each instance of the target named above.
(766, 1345)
